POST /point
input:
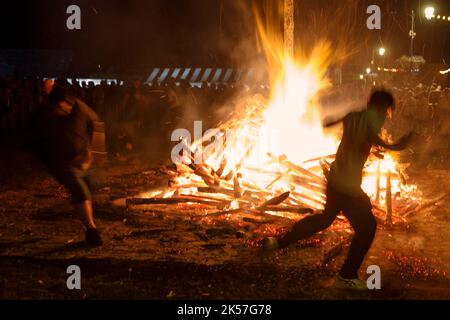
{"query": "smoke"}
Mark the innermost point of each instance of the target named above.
(336, 103)
(239, 42)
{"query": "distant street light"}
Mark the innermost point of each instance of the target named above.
(368, 70)
(381, 51)
(429, 13)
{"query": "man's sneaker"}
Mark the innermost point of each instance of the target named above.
(270, 244)
(353, 284)
(93, 238)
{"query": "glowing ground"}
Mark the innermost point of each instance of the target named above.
(168, 255)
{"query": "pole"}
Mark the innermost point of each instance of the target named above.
(288, 38)
(289, 27)
(412, 34)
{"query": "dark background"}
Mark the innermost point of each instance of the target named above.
(131, 35)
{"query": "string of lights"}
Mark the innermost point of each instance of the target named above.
(429, 14)
(445, 18)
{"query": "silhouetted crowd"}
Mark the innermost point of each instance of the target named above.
(135, 113)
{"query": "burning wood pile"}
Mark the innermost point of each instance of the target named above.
(231, 174)
(268, 163)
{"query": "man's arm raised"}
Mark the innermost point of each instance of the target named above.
(328, 122)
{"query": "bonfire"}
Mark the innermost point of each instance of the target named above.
(268, 163)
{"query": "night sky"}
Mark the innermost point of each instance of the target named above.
(139, 33)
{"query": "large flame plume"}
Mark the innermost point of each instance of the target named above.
(279, 146)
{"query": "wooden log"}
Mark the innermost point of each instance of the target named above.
(202, 197)
(377, 192)
(297, 202)
(388, 199)
(306, 190)
(237, 186)
(377, 154)
(300, 210)
(304, 171)
(202, 173)
(329, 156)
(274, 201)
(214, 189)
(279, 176)
(297, 168)
(203, 170)
(308, 198)
(245, 155)
(229, 176)
(255, 190)
(173, 185)
(222, 166)
(175, 200)
(316, 169)
(247, 195)
(325, 168)
(306, 184)
(261, 171)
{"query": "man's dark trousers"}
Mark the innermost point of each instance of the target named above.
(358, 211)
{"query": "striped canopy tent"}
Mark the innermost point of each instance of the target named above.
(198, 76)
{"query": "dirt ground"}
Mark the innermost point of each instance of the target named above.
(170, 255)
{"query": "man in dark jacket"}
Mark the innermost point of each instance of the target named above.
(344, 191)
(62, 132)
